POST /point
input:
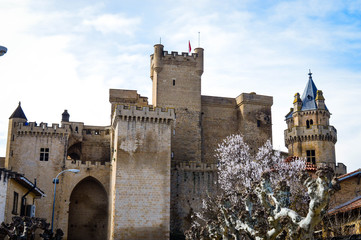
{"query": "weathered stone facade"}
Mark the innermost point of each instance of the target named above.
(142, 176)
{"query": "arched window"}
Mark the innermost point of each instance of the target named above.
(307, 124)
(311, 122)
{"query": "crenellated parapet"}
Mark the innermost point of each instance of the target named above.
(196, 166)
(314, 133)
(33, 129)
(161, 58)
(144, 114)
(86, 165)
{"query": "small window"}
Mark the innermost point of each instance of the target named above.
(172, 155)
(88, 131)
(96, 132)
(173, 82)
(311, 122)
(173, 132)
(311, 156)
(258, 123)
(44, 154)
(13, 138)
(76, 129)
(307, 124)
(15, 203)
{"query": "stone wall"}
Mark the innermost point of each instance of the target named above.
(191, 182)
(255, 119)
(219, 120)
(24, 156)
(140, 202)
(350, 189)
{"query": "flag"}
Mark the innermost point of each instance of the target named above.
(189, 45)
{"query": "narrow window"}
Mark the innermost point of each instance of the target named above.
(173, 82)
(13, 137)
(311, 122)
(76, 129)
(173, 132)
(15, 203)
(307, 124)
(44, 154)
(258, 123)
(172, 155)
(11, 153)
(311, 156)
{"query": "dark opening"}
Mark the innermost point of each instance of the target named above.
(258, 123)
(173, 82)
(311, 156)
(44, 154)
(15, 203)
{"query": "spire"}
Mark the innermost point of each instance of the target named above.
(309, 95)
(18, 113)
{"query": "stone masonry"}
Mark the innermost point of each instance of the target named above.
(145, 174)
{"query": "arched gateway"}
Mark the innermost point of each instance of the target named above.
(88, 211)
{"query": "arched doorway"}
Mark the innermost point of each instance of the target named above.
(88, 211)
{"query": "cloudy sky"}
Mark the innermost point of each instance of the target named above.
(67, 54)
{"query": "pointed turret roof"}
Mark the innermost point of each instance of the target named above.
(18, 113)
(309, 95)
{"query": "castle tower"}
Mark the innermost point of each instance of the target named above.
(140, 173)
(177, 84)
(17, 117)
(309, 134)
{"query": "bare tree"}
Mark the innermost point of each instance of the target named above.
(260, 196)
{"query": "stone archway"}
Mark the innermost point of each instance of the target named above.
(88, 211)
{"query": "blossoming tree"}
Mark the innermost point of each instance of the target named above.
(262, 196)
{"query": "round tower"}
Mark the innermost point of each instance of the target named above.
(18, 117)
(309, 134)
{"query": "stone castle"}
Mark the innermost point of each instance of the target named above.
(144, 175)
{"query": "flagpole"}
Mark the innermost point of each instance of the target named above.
(199, 39)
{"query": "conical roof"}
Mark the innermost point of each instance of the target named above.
(309, 95)
(18, 113)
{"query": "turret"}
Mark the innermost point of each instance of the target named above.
(157, 60)
(297, 103)
(309, 134)
(18, 117)
(320, 100)
(65, 116)
(200, 60)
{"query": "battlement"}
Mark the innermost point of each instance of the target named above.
(253, 98)
(196, 166)
(145, 114)
(86, 164)
(41, 129)
(177, 54)
(161, 58)
(314, 133)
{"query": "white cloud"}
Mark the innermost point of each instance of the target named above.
(113, 23)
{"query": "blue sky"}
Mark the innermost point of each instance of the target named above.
(67, 54)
